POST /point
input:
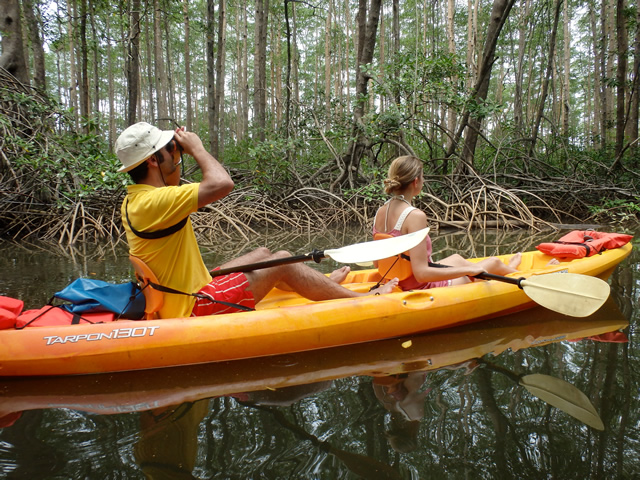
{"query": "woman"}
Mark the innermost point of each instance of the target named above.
(398, 217)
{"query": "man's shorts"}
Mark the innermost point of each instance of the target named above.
(232, 288)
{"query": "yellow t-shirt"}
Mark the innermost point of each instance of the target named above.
(174, 259)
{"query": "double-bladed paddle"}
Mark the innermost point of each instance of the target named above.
(567, 293)
(571, 294)
(357, 253)
(555, 392)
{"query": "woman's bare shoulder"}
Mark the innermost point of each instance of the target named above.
(416, 220)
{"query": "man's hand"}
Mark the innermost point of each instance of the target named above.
(189, 141)
(216, 182)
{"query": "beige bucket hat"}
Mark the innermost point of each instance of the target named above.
(138, 142)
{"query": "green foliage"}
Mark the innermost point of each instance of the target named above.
(617, 211)
(269, 162)
(372, 192)
(483, 109)
(50, 158)
(412, 92)
(418, 80)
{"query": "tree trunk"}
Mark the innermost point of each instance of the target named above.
(151, 103)
(211, 77)
(73, 80)
(499, 14)
(161, 91)
(327, 61)
(545, 80)
(61, 80)
(133, 62)
(367, 34)
(381, 61)
(245, 73)
(451, 46)
(606, 69)
(12, 58)
(276, 72)
(260, 69)
(39, 79)
(598, 62)
(95, 61)
(472, 39)
(287, 83)
(347, 50)
(84, 64)
(518, 115)
(634, 113)
(621, 76)
(611, 66)
(111, 90)
(566, 84)
(187, 66)
(395, 34)
(169, 87)
(295, 68)
(218, 111)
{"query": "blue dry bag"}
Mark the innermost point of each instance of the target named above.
(88, 295)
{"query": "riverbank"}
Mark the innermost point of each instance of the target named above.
(247, 210)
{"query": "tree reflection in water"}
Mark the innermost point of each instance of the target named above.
(259, 421)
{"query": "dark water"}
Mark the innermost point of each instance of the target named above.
(448, 406)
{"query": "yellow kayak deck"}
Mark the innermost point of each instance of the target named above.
(282, 323)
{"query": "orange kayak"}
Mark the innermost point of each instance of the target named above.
(282, 323)
(122, 392)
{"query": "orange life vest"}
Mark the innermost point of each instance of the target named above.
(10, 308)
(583, 243)
(398, 266)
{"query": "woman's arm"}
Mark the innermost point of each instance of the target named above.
(417, 220)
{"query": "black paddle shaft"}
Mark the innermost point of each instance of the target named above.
(487, 276)
(500, 278)
(315, 255)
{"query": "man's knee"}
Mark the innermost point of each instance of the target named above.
(262, 252)
(495, 261)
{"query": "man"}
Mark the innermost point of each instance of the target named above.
(155, 215)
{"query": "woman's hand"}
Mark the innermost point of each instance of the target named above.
(474, 270)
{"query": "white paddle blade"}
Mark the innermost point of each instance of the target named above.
(377, 249)
(568, 293)
(563, 395)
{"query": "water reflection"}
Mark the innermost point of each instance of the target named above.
(418, 407)
(419, 384)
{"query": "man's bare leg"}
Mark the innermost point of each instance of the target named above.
(339, 274)
(258, 255)
(304, 280)
(263, 254)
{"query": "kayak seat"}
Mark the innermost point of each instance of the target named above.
(154, 299)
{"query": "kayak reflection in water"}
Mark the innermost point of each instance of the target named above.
(403, 397)
(167, 447)
(168, 444)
